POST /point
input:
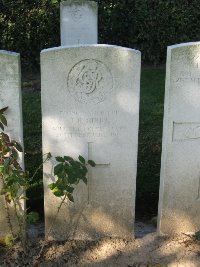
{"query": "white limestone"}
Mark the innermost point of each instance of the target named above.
(90, 107)
(10, 95)
(179, 206)
(78, 22)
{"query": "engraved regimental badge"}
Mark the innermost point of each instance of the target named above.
(90, 81)
(76, 13)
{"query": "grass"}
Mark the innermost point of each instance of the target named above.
(32, 121)
(150, 138)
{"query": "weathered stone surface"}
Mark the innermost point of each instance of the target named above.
(90, 107)
(179, 207)
(78, 22)
(10, 95)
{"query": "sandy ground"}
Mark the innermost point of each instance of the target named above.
(148, 249)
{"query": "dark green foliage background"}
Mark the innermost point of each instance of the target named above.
(149, 25)
(28, 27)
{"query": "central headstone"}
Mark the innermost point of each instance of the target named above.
(78, 22)
(10, 95)
(179, 207)
(90, 107)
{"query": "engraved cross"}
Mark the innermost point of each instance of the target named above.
(89, 171)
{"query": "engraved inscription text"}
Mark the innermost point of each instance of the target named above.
(98, 124)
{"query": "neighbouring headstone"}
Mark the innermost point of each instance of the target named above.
(78, 22)
(90, 107)
(179, 206)
(10, 95)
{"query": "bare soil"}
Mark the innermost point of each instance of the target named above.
(148, 249)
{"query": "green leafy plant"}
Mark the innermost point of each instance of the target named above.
(32, 217)
(69, 173)
(9, 240)
(13, 179)
(14, 183)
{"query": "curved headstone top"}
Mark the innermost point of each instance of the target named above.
(183, 44)
(78, 22)
(179, 204)
(81, 46)
(5, 52)
(90, 107)
(92, 4)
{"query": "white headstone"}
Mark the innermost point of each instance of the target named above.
(10, 95)
(179, 207)
(78, 22)
(90, 107)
